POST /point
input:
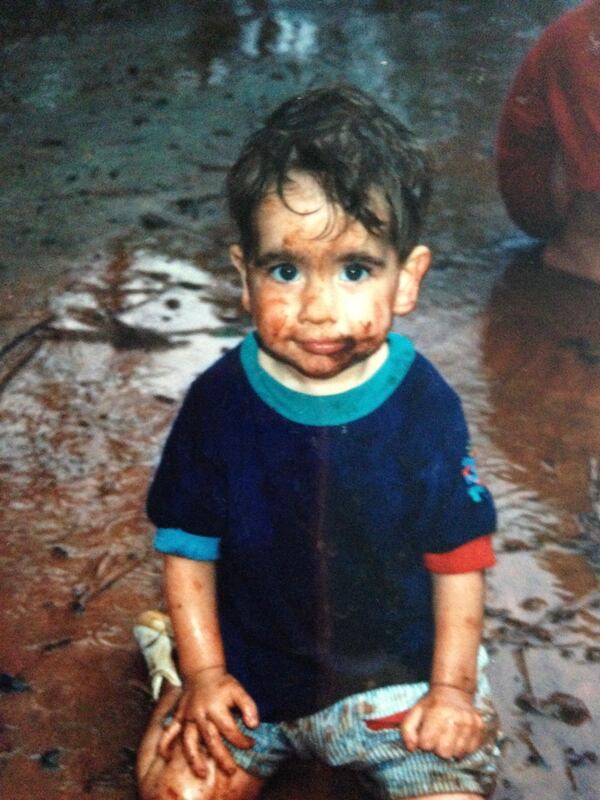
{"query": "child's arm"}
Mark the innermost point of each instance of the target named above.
(445, 720)
(203, 714)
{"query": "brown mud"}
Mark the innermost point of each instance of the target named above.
(114, 292)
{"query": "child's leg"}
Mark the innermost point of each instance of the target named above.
(363, 732)
(174, 780)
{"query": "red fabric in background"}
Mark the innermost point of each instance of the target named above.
(554, 102)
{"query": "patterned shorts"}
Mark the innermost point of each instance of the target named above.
(354, 733)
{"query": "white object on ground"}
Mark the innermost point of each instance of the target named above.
(154, 634)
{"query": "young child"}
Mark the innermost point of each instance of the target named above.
(323, 525)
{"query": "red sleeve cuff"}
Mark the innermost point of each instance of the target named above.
(474, 555)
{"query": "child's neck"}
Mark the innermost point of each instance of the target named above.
(347, 379)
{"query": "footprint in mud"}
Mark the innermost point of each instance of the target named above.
(559, 705)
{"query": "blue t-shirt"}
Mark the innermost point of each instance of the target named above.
(320, 511)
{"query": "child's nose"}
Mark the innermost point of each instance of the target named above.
(318, 304)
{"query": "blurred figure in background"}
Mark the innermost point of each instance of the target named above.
(548, 147)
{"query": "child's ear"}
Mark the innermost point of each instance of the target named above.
(236, 254)
(412, 273)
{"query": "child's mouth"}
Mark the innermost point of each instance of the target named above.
(323, 347)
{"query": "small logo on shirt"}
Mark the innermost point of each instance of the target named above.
(475, 487)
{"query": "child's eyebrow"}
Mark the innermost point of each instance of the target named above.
(274, 256)
(362, 256)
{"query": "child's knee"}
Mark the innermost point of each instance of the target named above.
(174, 780)
(147, 750)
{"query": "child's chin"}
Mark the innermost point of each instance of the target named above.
(324, 370)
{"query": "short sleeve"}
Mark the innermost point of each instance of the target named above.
(455, 514)
(187, 497)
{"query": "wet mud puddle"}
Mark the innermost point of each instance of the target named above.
(540, 348)
(85, 405)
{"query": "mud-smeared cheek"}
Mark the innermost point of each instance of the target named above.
(379, 321)
(271, 312)
(275, 325)
(272, 318)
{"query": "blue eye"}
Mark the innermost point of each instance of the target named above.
(285, 273)
(355, 273)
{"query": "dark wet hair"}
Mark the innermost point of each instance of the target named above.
(351, 146)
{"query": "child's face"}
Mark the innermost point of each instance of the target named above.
(321, 289)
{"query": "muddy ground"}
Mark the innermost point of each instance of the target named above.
(118, 122)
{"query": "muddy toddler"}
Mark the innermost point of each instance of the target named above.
(323, 526)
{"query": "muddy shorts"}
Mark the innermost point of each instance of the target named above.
(362, 733)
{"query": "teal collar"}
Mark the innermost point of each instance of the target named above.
(332, 409)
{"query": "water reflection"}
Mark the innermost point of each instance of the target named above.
(541, 348)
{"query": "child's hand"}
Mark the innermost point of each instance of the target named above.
(203, 719)
(445, 722)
